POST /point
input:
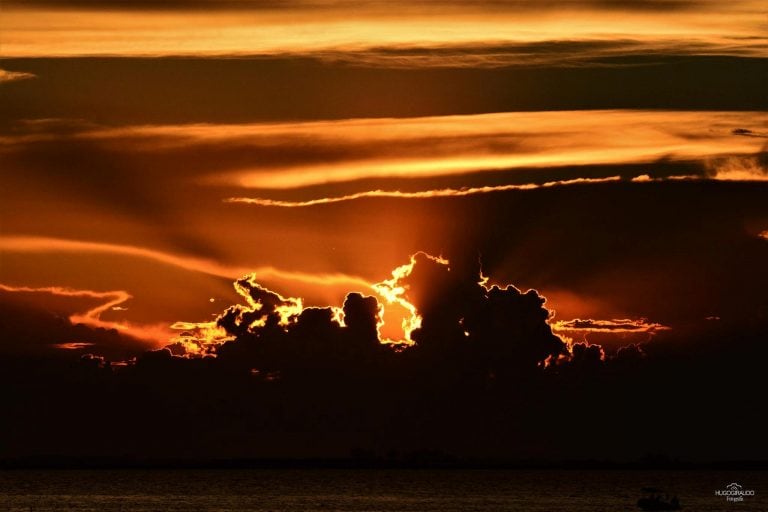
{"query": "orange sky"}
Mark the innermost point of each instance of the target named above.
(54, 29)
(99, 200)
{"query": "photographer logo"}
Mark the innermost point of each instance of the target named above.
(735, 492)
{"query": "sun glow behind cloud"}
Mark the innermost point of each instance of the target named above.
(182, 181)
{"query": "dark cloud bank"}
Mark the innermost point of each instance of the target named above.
(607, 75)
(487, 380)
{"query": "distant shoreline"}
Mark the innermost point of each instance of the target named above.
(447, 463)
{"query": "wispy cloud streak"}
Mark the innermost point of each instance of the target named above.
(446, 192)
(91, 317)
(14, 76)
(282, 156)
(608, 326)
(53, 245)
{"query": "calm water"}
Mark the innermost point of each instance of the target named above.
(367, 490)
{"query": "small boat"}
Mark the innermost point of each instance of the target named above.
(654, 501)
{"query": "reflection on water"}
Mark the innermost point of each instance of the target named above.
(330, 490)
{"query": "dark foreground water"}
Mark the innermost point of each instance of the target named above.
(329, 490)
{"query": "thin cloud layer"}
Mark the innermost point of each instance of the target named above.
(615, 325)
(282, 156)
(14, 76)
(53, 245)
(212, 28)
(663, 5)
(446, 192)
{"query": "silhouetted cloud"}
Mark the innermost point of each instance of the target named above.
(91, 317)
(307, 381)
(30, 330)
(749, 133)
(501, 330)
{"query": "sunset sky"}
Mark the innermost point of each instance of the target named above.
(610, 154)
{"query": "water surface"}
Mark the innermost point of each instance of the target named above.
(328, 490)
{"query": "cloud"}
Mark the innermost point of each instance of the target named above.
(486, 379)
(616, 325)
(282, 156)
(749, 168)
(52, 245)
(161, 5)
(147, 334)
(449, 313)
(508, 141)
(588, 53)
(90, 317)
(610, 335)
(238, 5)
(110, 28)
(14, 76)
(30, 329)
(744, 132)
(425, 194)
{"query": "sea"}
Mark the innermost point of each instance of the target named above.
(373, 490)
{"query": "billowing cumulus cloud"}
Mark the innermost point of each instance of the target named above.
(450, 313)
